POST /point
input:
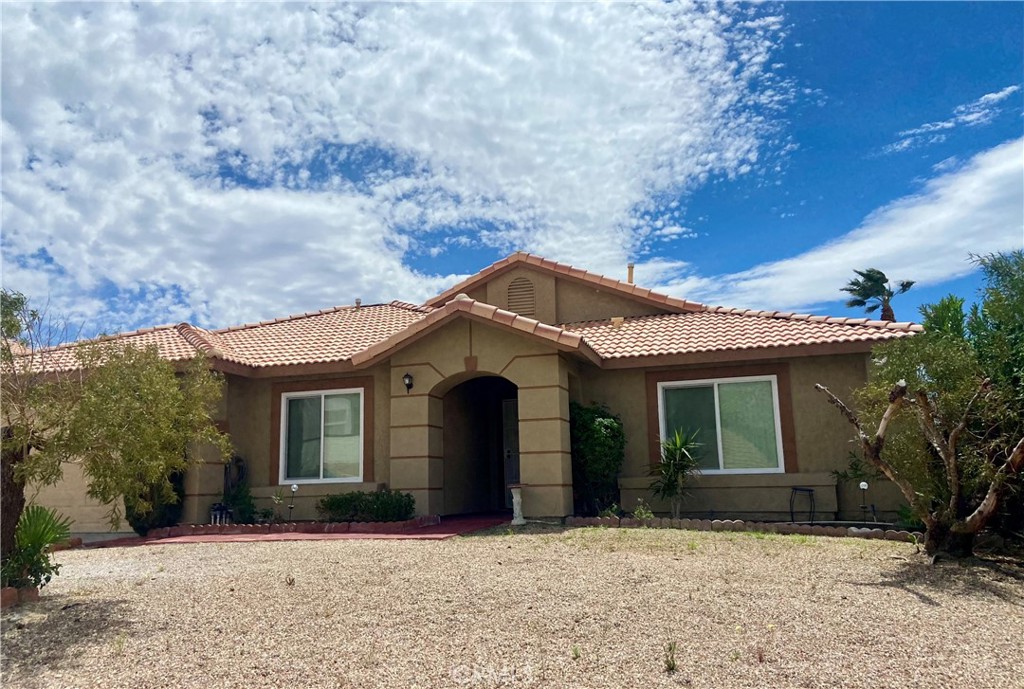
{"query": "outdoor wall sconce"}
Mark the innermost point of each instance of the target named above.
(407, 380)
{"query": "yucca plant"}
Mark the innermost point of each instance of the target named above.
(678, 463)
(30, 565)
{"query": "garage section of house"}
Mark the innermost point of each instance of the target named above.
(458, 398)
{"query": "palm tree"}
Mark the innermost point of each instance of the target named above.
(872, 290)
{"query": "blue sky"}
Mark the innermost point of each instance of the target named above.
(224, 164)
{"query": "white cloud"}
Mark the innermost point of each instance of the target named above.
(927, 237)
(978, 112)
(553, 126)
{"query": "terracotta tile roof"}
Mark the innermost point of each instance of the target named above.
(723, 329)
(365, 334)
(462, 304)
(315, 337)
(563, 270)
(168, 340)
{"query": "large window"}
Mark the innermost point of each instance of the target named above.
(737, 421)
(322, 436)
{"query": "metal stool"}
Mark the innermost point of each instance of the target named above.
(794, 492)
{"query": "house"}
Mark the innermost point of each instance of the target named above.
(452, 399)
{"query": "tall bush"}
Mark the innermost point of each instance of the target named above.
(598, 445)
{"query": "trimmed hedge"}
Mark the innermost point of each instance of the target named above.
(360, 506)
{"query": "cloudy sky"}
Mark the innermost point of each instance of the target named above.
(229, 163)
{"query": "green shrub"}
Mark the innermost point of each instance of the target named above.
(30, 564)
(161, 507)
(243, 507)
(360, 506)
(642, 511)
(598, 445)
(907, 520)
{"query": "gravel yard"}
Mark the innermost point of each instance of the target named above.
(544, 608)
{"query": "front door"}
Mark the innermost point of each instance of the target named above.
(510, 445)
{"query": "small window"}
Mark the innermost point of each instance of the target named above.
(521, 298)
(737, 421)
(322, 436)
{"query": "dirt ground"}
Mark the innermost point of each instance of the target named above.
(542, 607)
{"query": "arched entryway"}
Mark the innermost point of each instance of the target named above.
(481, 445)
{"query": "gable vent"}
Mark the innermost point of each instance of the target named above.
(521, 298)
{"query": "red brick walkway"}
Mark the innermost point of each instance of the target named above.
(449, 527)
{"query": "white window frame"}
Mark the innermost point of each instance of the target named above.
(283, 454)
(714, 383)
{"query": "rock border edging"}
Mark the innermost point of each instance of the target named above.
(293, 527)
(782, 528)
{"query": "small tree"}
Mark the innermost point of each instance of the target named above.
(678, 463)
(872, 290)
(129, 418)
(35, 396)
(948, 410)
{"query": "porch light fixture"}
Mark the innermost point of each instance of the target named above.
(407, 380)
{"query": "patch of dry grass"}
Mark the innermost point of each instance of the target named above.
(541, 607)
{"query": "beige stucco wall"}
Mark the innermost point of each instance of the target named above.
(562, 300)
(460, 350)
(252, 427)
(578, 302)
(68, 496)
(822, 440)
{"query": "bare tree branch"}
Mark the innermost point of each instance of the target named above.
(926, 413)
(850, 416)
(873, 446)
(954, 435)
(1013, 464)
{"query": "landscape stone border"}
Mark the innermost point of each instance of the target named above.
(11, 596)
(293, 527)
(783, 528)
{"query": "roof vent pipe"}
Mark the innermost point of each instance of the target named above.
(629, 273)
(359, 302)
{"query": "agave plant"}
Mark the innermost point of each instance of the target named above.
(30, 565)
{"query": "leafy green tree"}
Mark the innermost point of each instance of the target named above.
(873, 291)
(129, 418)
(948, 410)
(32, 399)
(945, 317)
